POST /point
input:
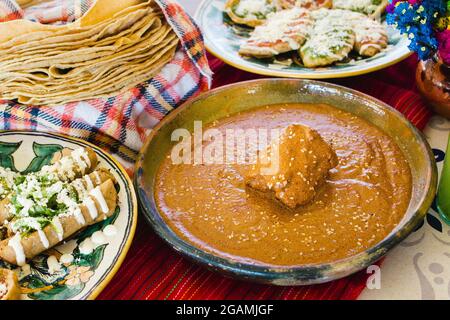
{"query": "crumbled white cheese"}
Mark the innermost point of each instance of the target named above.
(67, 166)
(363, 6)
(28, 221)
(7, 177)
(80, 188)
(286, 26)
(16, 244)
(55, 188)
(251, 7)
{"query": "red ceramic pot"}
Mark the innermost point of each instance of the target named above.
(433, 81)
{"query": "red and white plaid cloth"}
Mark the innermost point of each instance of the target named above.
(118, 124)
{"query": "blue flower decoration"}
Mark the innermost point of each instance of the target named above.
(417, 20)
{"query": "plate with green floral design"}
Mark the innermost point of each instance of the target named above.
(223, 39)
(88, 274)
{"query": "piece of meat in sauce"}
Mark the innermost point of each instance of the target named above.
(304, 161)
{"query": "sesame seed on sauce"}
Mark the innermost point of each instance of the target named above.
(211, 207)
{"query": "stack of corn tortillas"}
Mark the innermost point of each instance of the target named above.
(113, 47)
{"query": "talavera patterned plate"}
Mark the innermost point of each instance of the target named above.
(223, 39)
(87, 275)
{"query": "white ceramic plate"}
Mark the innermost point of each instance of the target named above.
(223, 39)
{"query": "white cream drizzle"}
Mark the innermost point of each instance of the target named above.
(16, 244)
(98, 195)
(79, 216)
(88, 245)
(97, 177)
(43, 238)
(66, 258)
(91, 207)
(99, 238)
(59, 228)
(89, 184)
(73, 207)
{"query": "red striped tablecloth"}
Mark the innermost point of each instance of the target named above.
(154, 271)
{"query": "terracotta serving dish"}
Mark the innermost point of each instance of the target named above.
(220, 102)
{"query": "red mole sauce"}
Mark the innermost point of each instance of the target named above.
(363, 198)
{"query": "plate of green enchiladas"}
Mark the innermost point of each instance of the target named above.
(301, 38)
(67, 217)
